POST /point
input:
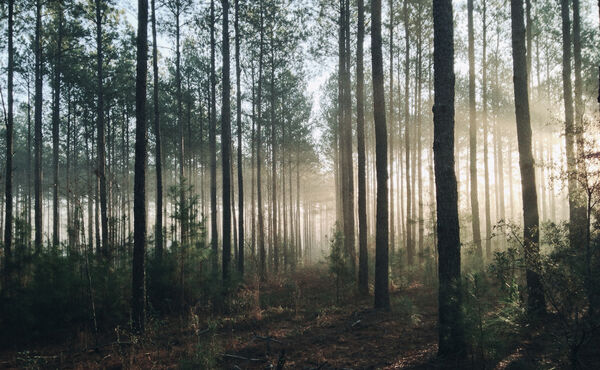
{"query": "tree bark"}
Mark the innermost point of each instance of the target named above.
(158, 137)
(473, 138)
(56, 126)
(261, 224)
(212, 143)
(138, 289)
(238, 72)
(38, 128)
(391, 120)
(451, 330)
(226, 145)
(535, 297)
(274, 223)
(101, 171)
(484, 102)
(382, 298)
(363, 261)
(8, 219)
(576, 230)
(410, 246)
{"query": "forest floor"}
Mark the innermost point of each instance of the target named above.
(296, 321)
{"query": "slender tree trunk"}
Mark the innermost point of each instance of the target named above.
(578, 126)
(484, 102)
(101, 172)
(346, 178)
(55, 127)
(38, 128)
(473, 138)
(212, 138)
(451, 331)
(226, 145)
(29, 171)
(238, 96)
(252, 169)
(158, 138)
(419, 137)
(138, 289)
(526, 163)
(382, 298)
(410, 247)
(391, 120)
(261, 225)
(274, 223)
(8, 219)
(181, 145)
(363, 262)
(575, 224)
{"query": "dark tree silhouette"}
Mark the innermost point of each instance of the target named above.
(535, 299)
(451, 331)
(138, 289)
(363, 260)
(8, 220)
(158, 137)
(226, 145)
(382, 297)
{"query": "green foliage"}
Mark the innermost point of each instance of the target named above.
(492, 318)
(207, 350)
(339, 263)
(571, 291)
(406, 309)
(183, 263)
(52, 295)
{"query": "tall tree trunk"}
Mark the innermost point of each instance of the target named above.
(410, 246)
(349, 237)
(8, 219)
(261, 224)
(526, 163)
(345, 129)
(55, 127)
(100, 126)
(158, 138)
(473, 138)
(226, 145)
(274, 222)
(391, 120)
(363, 260)
(29, 171)
(238, 96)
(484, 102)
(576, 230)
(451, 330)
(382, 298)
(419, 137)
(138, 286)
(38, 128)
(252, 169)
(579, 111)
(212, 143)
(180, 125)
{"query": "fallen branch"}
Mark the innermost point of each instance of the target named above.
(267, 339)
(236, 357)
